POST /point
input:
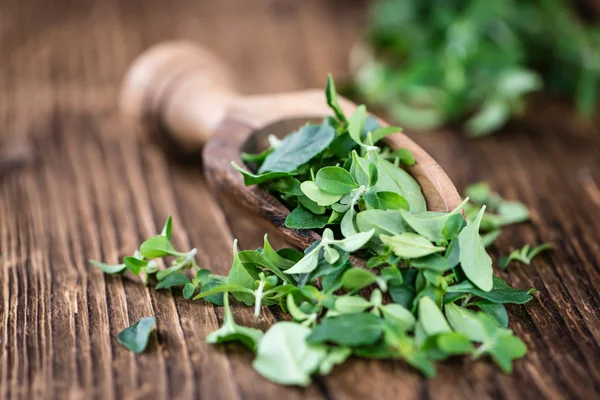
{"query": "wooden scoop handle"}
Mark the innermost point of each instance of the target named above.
(179, 92)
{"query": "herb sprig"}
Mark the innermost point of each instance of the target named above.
(427, 292)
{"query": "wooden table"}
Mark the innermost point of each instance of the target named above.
(92, 190)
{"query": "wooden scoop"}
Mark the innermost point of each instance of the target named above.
(182, 95)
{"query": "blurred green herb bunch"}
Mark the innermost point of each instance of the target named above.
(433, 62)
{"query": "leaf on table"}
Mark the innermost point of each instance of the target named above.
(135, 338)
(284, 356)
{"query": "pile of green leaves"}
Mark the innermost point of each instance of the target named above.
(442, 61)
(425, 290)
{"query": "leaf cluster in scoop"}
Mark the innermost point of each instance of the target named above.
(426, 292)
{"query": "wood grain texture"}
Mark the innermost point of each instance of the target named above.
(92, 190)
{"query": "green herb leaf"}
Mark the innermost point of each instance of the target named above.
(301, 218)
(354, 242)
(308, 263)
(232, 332)
(348, 330)
(394, 179)
(134, 264)
(431, 318)
(431, 223)
(388, 222)
(410, 245)
(500, 293)
(512, 212)
(232, 288)
(454, 343)
(335, 180)
(356, 124)
(332, 101)
(351, 304)
(281, 262)
(240, 275)
(172, 280)
(524, 255)
(284, 356)
(335, 356)
(322, 198)
(158, 246)
(404, 156)
(380, 133)
(357, 278)
(392, 201)
(402, 318)
(135, 338)
(167, 228)
(298, 148)
(108, 268)
(495, 310)
(253, 179)
(474, 260)
(188, 290)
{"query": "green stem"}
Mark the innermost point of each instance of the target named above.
(258, 296)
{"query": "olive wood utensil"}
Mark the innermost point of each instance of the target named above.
(183, 96)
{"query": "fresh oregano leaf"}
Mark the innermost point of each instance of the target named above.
(410, 245)
(301, 218)
(284, 356)
(332, 101)
(335, 180)
(168, 228)
(357, 278)
(158, 246)
(356, 124)
(135, 338)
(134, 264)
(232, 332)
(500, 293)
(298, 148)
(348, 330)
(321, 197)
(240, 275)
(335, 356)
(431, 223)
(495, 310)
(108, 268)
(474, 260)
(431, 317)
(253, 179)
(524, 255)
(177, 279)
